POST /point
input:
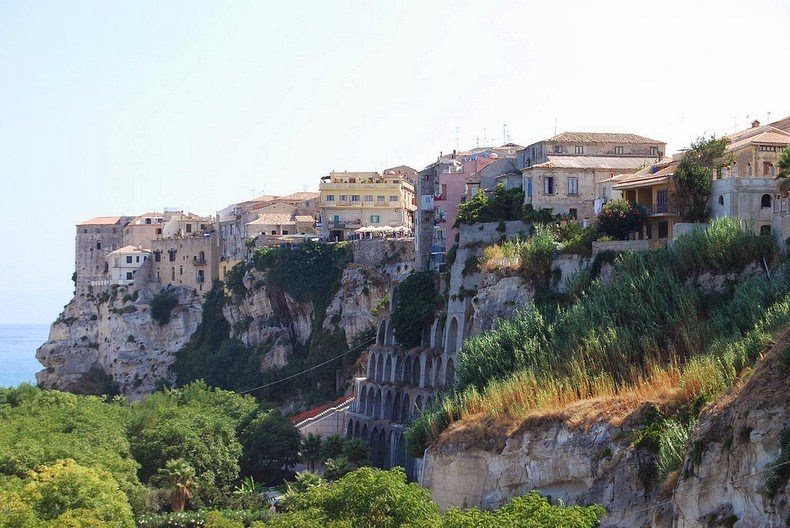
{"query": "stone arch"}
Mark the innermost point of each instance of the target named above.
(371, 372)
(396, 408)
(449, 375)
(357, 431)
(425, 339)
(437, 373)
(369, 402)
(378, 453)
(382, 334)
(721, 199)
(380, 367)
(427, 376)
(388, 451)
(428, 402)
(407, 369)
(452, 337)
(388, 369)
(437, 334)
(390, 340)
(350, 429)
(415, 371)
(405, 411)
(364, 433)
(387, 411)
(765, 201)
(377, 405)
(398, 374)
(418, 403)
(362, 400)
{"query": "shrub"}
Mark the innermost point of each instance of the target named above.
(162, 306)
(672, 445)
(416, 307)
(536, 255)
(619, 218)
(504, 204)
(539, 216)
(234, 279)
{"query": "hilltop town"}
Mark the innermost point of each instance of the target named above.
(378, 293)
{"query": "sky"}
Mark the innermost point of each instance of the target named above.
(125, 107)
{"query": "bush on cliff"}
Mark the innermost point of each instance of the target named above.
(619, 219)
(502, 205)
(417, 301)
(162, 306)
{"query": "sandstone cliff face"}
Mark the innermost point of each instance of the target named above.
(100, 341)
(585, 454)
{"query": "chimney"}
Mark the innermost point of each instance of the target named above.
(755, 123)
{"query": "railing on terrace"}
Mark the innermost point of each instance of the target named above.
(782, 206)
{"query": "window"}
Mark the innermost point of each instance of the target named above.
(721, 200)
(767, 169)
(765, 230)
(393, 198)
(128, 259)
(343, 197)
(355, 198)
(181, 270)
(285, 232)
(374, 219)
(368, 197)
(578, 149)
(158, 230)
(765, 201)
(157, 256)
(380, 198)
(189, 228)
(573, 186)
(662, 201)
(330, 197)
(558, 149)
(98, 245)
(137, 259)
(129, 275)
(106, 267)
(148, 221)
(274, 231)
(663, 229)
(654, 152)
(173, 271)
(618, 150)
(336, 219)
(573, 213)
(548, 185)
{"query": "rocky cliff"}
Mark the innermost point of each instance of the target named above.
(586, 454)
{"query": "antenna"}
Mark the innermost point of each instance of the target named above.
(555, 125)
(477, 141)
(456, 139)
(504, 133)
(485, 137)
(768, 119)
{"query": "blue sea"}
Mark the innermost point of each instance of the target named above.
(18, 344)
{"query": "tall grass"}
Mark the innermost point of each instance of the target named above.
(644, 329)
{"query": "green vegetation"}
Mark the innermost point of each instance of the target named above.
(619, 219)
(694, 175)
(416, 307)
(783, 174)
(162, 305)
(779, 470)
(504, 204)
(643, 322)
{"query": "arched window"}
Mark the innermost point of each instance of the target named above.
(765, 201)
(721, 200)
(452, 337)
(449, 375)
(382, 332)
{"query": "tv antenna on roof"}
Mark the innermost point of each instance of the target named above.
(504, 134)
(456, 139)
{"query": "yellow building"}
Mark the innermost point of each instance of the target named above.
(352, 200)
(651, 187)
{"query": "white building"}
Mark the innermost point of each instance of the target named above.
(124, 263)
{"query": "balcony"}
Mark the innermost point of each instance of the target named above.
(198, 261)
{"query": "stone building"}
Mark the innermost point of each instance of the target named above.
(125, 264)
(351, 200)
(95, 239)
(141, 230)
(564, 173)
(185, 261)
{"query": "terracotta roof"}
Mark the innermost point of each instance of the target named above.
(273, 219)
(102, 220)
(304, 219)
(600, 137)
(129, 249)
(593, 162)
(655, 174)
(315, 411)
(301, 196)
(770, 136)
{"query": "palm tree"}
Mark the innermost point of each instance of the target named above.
(180, 476)
(311, 450)
(783, 176)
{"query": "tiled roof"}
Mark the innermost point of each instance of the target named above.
(273, 219)
(129, 249)
(593, 162)
(301, 196)
(315, 411)
(600, 137)
(771, 136)
(304, 219)
(652, 175)
(102, 220)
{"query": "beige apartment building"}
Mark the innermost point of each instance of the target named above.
(566, 173)
(352, 200)
(125, 264)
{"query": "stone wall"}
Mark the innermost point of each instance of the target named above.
(381, 252)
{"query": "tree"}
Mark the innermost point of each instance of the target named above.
(619, 218)
(162, 305)
(416, 307)
(271, 447)
(180, 477)
(356, 451)
(311, 450)
(67, 494)
(694, 175)
(503, 204)
(332, 447)
(783, 176)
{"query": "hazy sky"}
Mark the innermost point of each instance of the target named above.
(112, 107)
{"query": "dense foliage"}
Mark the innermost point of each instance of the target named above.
(617, 331)
(694, 175)
(783, 172)
(162, 305)
(619, 219)
(416, 307)
(502, 205)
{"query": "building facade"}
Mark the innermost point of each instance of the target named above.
(185, 261)
(352, 200)
(96, 238)
(125, 264)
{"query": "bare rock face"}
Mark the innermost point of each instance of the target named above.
(499, 298)
(736, 440)
(351, 309)
(99, 343)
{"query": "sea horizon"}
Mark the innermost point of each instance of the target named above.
(18, 344)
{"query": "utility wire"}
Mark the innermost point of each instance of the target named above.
(704, 490)
(369, 341)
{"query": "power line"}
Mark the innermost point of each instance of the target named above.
(369, 341)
